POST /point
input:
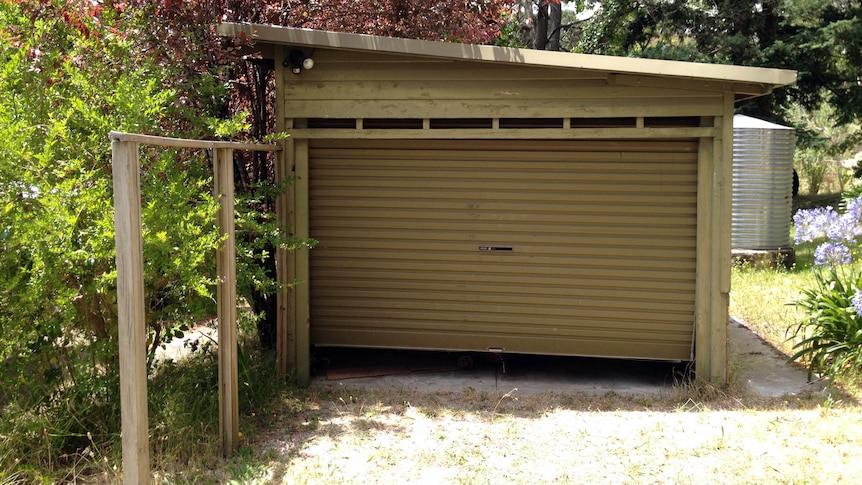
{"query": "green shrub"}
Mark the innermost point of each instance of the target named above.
(829, 335)
(853, 191)
(831, 327)
(67, 78)
(71, 72)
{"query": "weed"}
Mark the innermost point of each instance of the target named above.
(312, 423)
(829, 403)
(504, 396)
(245, 467)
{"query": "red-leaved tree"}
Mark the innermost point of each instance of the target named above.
(182, 32)
(451, 20)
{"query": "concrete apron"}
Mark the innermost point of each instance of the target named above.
(756, 364)
(762, 368)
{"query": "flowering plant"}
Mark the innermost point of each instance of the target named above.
(839, 230)
(831, 327)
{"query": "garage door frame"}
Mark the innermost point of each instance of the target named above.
(713, 228)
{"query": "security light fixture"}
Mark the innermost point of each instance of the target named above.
(297, 61)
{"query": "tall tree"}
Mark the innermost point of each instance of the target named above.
(476, 22)
(196, 46)
(821, 39)
(540, 23)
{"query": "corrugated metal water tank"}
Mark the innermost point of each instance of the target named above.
(762, 184)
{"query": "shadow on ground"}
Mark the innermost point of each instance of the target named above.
(755, 365)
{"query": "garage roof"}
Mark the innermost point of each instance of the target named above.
(742, 80)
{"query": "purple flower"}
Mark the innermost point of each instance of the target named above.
(832, 254)
(812, 224)
(854, 209)
(857, 302)
(845, 228)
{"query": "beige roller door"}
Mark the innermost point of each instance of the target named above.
(547, 247)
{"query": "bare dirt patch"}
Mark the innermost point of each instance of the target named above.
(769, 426)
(691, 435)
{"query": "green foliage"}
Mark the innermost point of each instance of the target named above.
(229, 127)
(66, 84)
(823, 40)
(178, 219)
(825, 146)
(812, 168)
(644, 29)
(183, 403)
(829, 335)
(820, 39)
(510, 32)
(262, 234)
(71, 72)
(853, 191)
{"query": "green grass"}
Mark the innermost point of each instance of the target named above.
(807, 201)
(184, 432)
(763, 298)
(184, 417)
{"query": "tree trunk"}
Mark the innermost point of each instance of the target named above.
(250, 173)
(540, 31)
(264, 306)
(555, 21)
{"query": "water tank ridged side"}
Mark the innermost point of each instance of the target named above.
(762, 184)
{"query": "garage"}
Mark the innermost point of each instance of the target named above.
(571, 248)
(479, 198)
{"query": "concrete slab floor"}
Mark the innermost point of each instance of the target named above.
(757, 364)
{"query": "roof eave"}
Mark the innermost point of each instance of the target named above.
(747, 81)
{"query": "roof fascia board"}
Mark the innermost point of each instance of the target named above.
(766, 78)
(746, 90)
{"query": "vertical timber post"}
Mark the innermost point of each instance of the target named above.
(130, 312)
(290, 275)
(705, 249)
(303, 317)
(302, 291)
(283, 340)
(226, 298)
(713, 250)
(285, 352)
(722, 262)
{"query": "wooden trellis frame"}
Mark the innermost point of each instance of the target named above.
(130, 293)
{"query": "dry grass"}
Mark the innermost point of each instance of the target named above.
(361, 436)
(692, 434)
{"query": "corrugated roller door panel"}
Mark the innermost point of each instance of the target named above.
(562, 247)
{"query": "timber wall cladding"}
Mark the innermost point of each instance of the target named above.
(348, 85)
(593, 245)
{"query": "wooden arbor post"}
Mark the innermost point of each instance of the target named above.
(226, 300)
(132, 331)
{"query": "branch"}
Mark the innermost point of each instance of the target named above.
(566, 26)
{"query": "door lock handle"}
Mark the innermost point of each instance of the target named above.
(496, 248)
